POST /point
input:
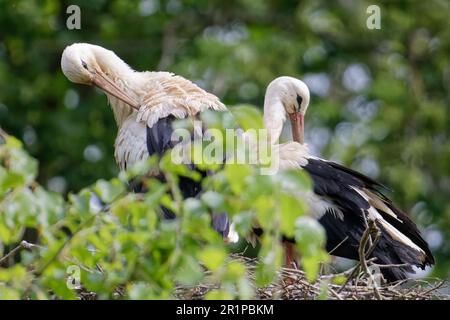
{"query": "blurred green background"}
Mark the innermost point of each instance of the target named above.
(380, 98)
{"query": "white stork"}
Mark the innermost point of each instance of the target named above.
(342, 199)
(144, 105)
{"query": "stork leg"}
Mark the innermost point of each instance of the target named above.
(290, 261)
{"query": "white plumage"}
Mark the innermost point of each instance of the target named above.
(130, 146)
(343, 200)
(138, 99)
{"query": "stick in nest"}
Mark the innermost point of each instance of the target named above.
(363, 255)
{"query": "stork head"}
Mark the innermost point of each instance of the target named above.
(78, 63)
(294, 96)
(86, 64)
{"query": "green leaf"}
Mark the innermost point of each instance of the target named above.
(295, 180)
(264, 274)
(270, 257)
(291, 209)
(156, 191)
(145, 291)
(243, 223)
(309, 235)
(213, 199)
(339, 280)
(8, 293)
(168, 165)
(218, 294)
(310, 240)
(248, 117)
(311, 264)
(194, 206)
(80, 203)
(108, 190)
(323, 295)
(6, 234)
(19, 161)
(265, 209)
(234, 271)
(55, 278)
(236, 175)
(190, 272)
(10, 180)
(245, 288)
(140, 169)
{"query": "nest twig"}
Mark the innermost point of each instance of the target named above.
(360, 282)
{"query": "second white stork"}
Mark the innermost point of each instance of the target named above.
(342, 199)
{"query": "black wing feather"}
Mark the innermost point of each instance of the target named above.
(158, 142)
(336, 185)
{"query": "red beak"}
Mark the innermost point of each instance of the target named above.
(103, 82)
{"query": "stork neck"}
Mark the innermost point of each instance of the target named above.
(111, 64)
(274, 116)
(120, 110)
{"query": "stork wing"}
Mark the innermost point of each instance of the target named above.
(168, 94)
(168, 97)
(158, 142)
(355, 195)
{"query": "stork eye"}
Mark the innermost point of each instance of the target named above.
(299, 100)
(84, 64)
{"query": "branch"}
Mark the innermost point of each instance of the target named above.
(22, 245)
(435, 287)
(3, 136)
(362, 254)
(371, 227)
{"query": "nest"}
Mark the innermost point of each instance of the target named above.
(360, 282)
(293, 285)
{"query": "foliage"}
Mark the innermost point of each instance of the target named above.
(116, 241)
